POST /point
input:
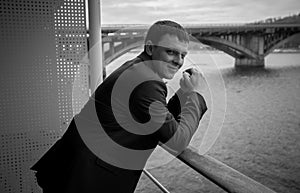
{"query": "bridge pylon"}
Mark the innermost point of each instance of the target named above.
(248, 62)
(255, 44)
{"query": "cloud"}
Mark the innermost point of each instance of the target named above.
(191, 11)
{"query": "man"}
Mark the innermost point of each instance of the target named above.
(108, 143)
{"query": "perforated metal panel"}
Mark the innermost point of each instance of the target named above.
(41, 45)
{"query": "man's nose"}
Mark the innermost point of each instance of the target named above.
(178, 59)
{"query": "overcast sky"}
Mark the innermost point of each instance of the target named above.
(195, 11)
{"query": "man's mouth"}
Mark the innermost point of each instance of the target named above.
(173, 68)
(176, 65)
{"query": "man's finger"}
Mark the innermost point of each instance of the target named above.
(186, 75)
(187, 81)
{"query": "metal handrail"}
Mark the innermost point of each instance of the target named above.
(220, 174)
(225, 177)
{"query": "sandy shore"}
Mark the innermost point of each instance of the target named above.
(260, 135)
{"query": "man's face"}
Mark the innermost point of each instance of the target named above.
(168, 56)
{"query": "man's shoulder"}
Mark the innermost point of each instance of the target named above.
(120, 70)
(127, 64)
(133, 73)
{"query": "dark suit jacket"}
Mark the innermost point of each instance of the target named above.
(70, 165)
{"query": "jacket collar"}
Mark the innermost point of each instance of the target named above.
(144, 56)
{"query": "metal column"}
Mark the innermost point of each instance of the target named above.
(95, 42)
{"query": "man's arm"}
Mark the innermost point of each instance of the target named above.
(177, 134)
(192, 106)
(175, 130)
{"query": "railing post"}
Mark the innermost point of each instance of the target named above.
(95, 50)
(156, 182)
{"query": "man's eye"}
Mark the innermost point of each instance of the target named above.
(171, 52)
(175, 53)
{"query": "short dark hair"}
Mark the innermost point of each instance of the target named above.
(160, 28)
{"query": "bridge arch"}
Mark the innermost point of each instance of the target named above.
(229, 47)
(280, 43)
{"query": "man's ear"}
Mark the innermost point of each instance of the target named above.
(149, 47)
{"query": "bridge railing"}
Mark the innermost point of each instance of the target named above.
(107, 29)
(217, 172)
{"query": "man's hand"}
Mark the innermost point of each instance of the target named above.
(192, 80)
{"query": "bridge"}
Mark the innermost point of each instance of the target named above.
(249, 44)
